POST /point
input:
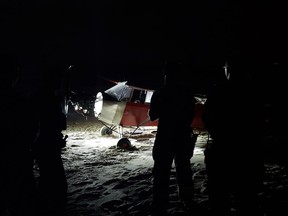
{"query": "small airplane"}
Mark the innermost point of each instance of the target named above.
(127, 106)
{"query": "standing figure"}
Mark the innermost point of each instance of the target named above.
(233, 158)
(47, 148)
(173, 106)
(17, 185)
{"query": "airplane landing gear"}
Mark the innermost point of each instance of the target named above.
(105, 131)
(124, 143)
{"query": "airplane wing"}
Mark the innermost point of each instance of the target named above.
(120, 91)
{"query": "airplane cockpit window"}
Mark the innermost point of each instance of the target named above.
(138, 96)
(123, 92)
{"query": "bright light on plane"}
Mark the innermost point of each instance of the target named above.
(77, 107)
(98, 104)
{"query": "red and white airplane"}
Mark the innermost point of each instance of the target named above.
(127, 106)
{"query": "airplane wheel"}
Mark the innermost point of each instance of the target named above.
(105, 131)
(124, 143)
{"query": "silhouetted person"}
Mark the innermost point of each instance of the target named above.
(233, 159)
(173, 106)
(17, 185)
(48, 145)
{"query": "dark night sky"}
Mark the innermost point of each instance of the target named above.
(121, 38)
